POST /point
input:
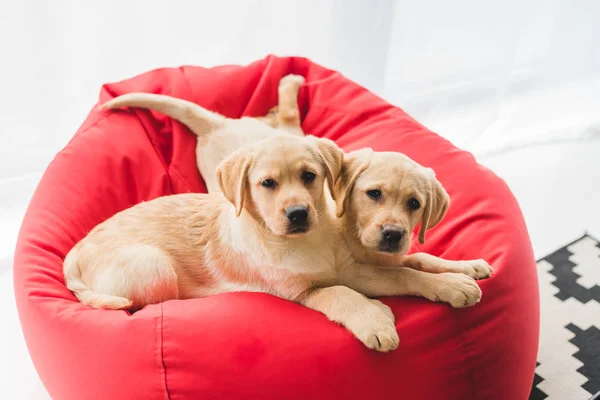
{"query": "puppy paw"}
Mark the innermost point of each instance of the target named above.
(376, 329)
(458, 290)
(385, 309)
(291, 81)
(476, 269)
(381, 337)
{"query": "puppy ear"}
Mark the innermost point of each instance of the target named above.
(232, 175)
(353, 165)
(436, 205)
(332, 157)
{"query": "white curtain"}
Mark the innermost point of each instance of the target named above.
(484, 74)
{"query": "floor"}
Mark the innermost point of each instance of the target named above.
(568, 358)
(556, 185)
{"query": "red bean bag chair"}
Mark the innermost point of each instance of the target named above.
(253, 345)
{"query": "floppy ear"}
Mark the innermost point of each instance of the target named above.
(436, 205)
(332, 157)
(353, 165)
(232, 175)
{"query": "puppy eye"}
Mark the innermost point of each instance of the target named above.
(414, 204)
(374, 194)
(268, 183)
(308, 177)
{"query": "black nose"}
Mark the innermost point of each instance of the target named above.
(297, 215)
(392, 235)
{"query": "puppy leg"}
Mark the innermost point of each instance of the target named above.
(384, 308)
(476, 269)
(143, 274)
(271, 117)
(286, 114)
(368, 320)
(288, 111)
(458, 290)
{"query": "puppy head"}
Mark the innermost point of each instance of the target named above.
(385, 195)
(280, 181)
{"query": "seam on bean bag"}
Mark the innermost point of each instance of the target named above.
(266, 67)
(172, 168)
(156, 149)
(163, 366)
(181, 179)
(385, 109)
(468, 348)
(77, 135)
(316, 82)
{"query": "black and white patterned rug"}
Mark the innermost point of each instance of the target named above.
(568, 365)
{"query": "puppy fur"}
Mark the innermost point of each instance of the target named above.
(219, 136)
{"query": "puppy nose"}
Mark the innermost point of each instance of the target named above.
(392, 234)
(297, 215)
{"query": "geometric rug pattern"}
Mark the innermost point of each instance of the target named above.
(568, 366)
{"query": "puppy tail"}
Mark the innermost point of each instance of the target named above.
(76, 285)
(198, 119)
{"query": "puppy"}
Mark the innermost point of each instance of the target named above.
(219, 136)
(381, 197)
(269, 231)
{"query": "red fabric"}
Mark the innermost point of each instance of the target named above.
(248, 345)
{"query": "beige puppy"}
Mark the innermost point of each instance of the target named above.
(219, 136)
(381, 197)
(268, 231)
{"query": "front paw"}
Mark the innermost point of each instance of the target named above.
(376, 329)
(476, 269)
(458, 290)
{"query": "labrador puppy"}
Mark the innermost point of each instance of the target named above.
(268, 231)
(380, 198)
(219, 136)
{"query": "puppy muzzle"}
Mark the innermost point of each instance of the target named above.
(298, 219)
(391, 238)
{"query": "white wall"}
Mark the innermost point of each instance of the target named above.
(490, 73)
